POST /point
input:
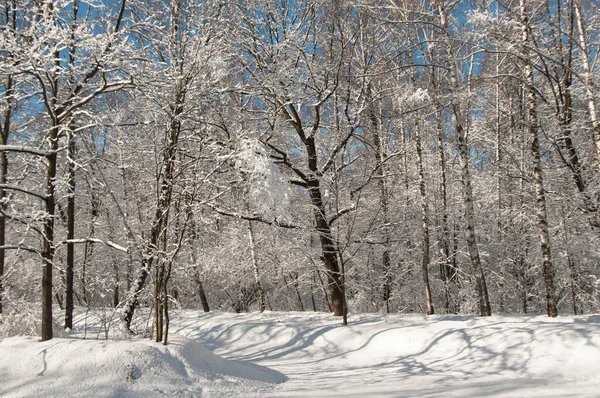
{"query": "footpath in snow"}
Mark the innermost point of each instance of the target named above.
(313, 355)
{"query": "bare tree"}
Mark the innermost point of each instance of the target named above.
(538, 181)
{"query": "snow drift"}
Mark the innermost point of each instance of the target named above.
(245, 355)
(133, 368)
(411, 355)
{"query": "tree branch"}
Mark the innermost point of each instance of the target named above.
(24, 149)
(341, 213)
(96, 240)
(19, 189)
(253, 217)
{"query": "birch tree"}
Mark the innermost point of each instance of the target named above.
(538, 180)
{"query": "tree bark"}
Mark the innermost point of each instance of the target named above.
(4, 133)
(463, 158)
(380, 172)
(588, 77)
(48, 230)
(311, 181)
(425, 224)
(159, 223)
(447, 270)
(70, 234)
(260, 294)
(538, 182)
(202, 295)
(88, 249)
(329, 255)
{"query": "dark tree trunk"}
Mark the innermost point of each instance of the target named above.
(3, 175)
(311, 181)
(48, 230)
(326, 301)
(136, 288)
(88, 248)
(329, 255)
(425, 223)
(70, 235)
(202, 295)
(158, 231)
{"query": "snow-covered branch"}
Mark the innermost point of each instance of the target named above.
(253, 217)
(29, 150)
(95, 240)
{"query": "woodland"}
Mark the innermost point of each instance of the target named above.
(359, 156)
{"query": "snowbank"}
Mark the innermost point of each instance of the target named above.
(132, 368)
(412, 355)
(374, 356)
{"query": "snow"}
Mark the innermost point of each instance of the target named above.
(97, 368)
(312, 355)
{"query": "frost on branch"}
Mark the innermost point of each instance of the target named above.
(413, 98)
(267, 189)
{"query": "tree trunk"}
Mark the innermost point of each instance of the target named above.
(159, 300)
(116, 296)
(48, 230)
(447, 270)
(463, 158)
(326, 301)
(573, 283)
(158, 231)
(194, 258)
(167, 319)
(425, 224)
(329, 255)
(588, 77)
(380, 172)
(136, 287)
(129, 234)
(498, 152)
(70, 233)
(3, 177)
(88, 249)
(202, 295)
(11, 20)
(312, 294)
(260, 294)
(297, 290)
(538, 182)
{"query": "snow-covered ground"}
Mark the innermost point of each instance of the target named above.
(312, 355)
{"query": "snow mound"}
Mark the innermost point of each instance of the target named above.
(129, 368)
(410, 355)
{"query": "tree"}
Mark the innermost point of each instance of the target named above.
(64, 88)
(296, 67)
(538, 181)
(186, 52)
(10, 20)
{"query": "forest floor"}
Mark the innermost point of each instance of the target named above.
(294, 354)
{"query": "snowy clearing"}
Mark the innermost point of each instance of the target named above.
(312, 354)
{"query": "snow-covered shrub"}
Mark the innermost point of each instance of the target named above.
(23, 318)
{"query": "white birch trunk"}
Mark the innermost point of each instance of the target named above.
(463, 158)
(538, 182)
(588, 79)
